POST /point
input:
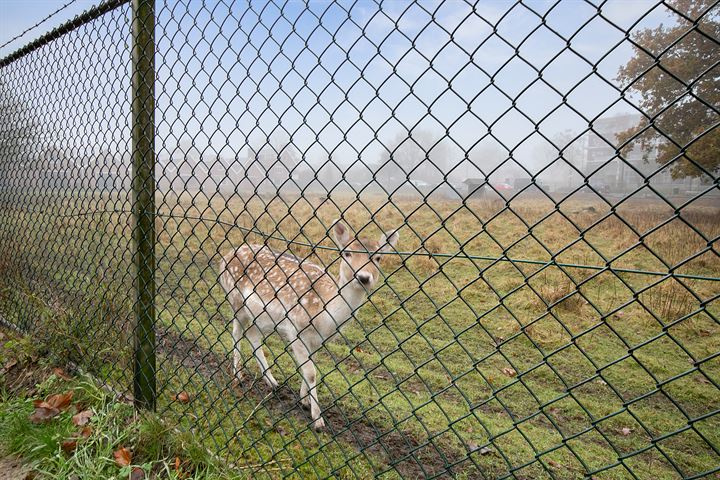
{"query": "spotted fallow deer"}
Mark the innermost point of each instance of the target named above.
(272, 292)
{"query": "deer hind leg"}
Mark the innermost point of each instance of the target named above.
(308, 388)
(240, 323)
(255, 337)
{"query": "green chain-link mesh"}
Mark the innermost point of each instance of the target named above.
(555, 317)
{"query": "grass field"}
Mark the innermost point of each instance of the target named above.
(461, 363)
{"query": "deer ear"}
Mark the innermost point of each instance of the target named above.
(389, 240)
(341, 233)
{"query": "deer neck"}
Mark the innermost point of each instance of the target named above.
(349, 296)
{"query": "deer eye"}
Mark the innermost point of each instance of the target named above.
(376, 259)
(347, 254)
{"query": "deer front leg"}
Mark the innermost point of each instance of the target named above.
(308, 389)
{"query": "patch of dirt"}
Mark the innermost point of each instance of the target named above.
(20, 371)
(14, 469)
(411, 457)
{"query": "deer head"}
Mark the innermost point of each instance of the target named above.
(360, 259)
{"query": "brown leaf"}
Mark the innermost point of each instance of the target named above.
(509, 372)
(553, 463)
(86, 431)
(182, 397)
(50, 407)
(61, 373)
(9, 365)
(43, 412)
(82, 418)
(122, 456)
(359, 350)
(178, 468)
(137, 473)
(626, 431)
(61, 400)
(68, 446)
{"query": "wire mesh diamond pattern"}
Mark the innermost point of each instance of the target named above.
(401, 239)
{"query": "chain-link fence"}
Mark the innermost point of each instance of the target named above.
(524, 278)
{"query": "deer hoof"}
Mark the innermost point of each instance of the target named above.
(271, 382)
(319, 425)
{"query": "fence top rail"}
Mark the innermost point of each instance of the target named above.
(67, 27)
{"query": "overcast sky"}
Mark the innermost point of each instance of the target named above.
(345, 78)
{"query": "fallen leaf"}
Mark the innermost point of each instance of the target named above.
(122, 456)
(509, 372)
(86, 431)
(50, 407)
(553, 463)
(178, 468)
(620, 314)
(61, 400)
(9, 365)
(359, 350)
(68, 446)
(182, 397)
(61, 373)
(82, 418)
(626, 431)
(472, 446)
(43, 412)
(137, 473)
(485, 450)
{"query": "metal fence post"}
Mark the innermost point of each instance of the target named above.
(143, 145)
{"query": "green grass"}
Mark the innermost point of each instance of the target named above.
(153, 443)
(462, 353)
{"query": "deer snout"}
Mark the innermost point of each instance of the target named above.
(364, 278)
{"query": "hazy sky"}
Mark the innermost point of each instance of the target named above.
(345, 78)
